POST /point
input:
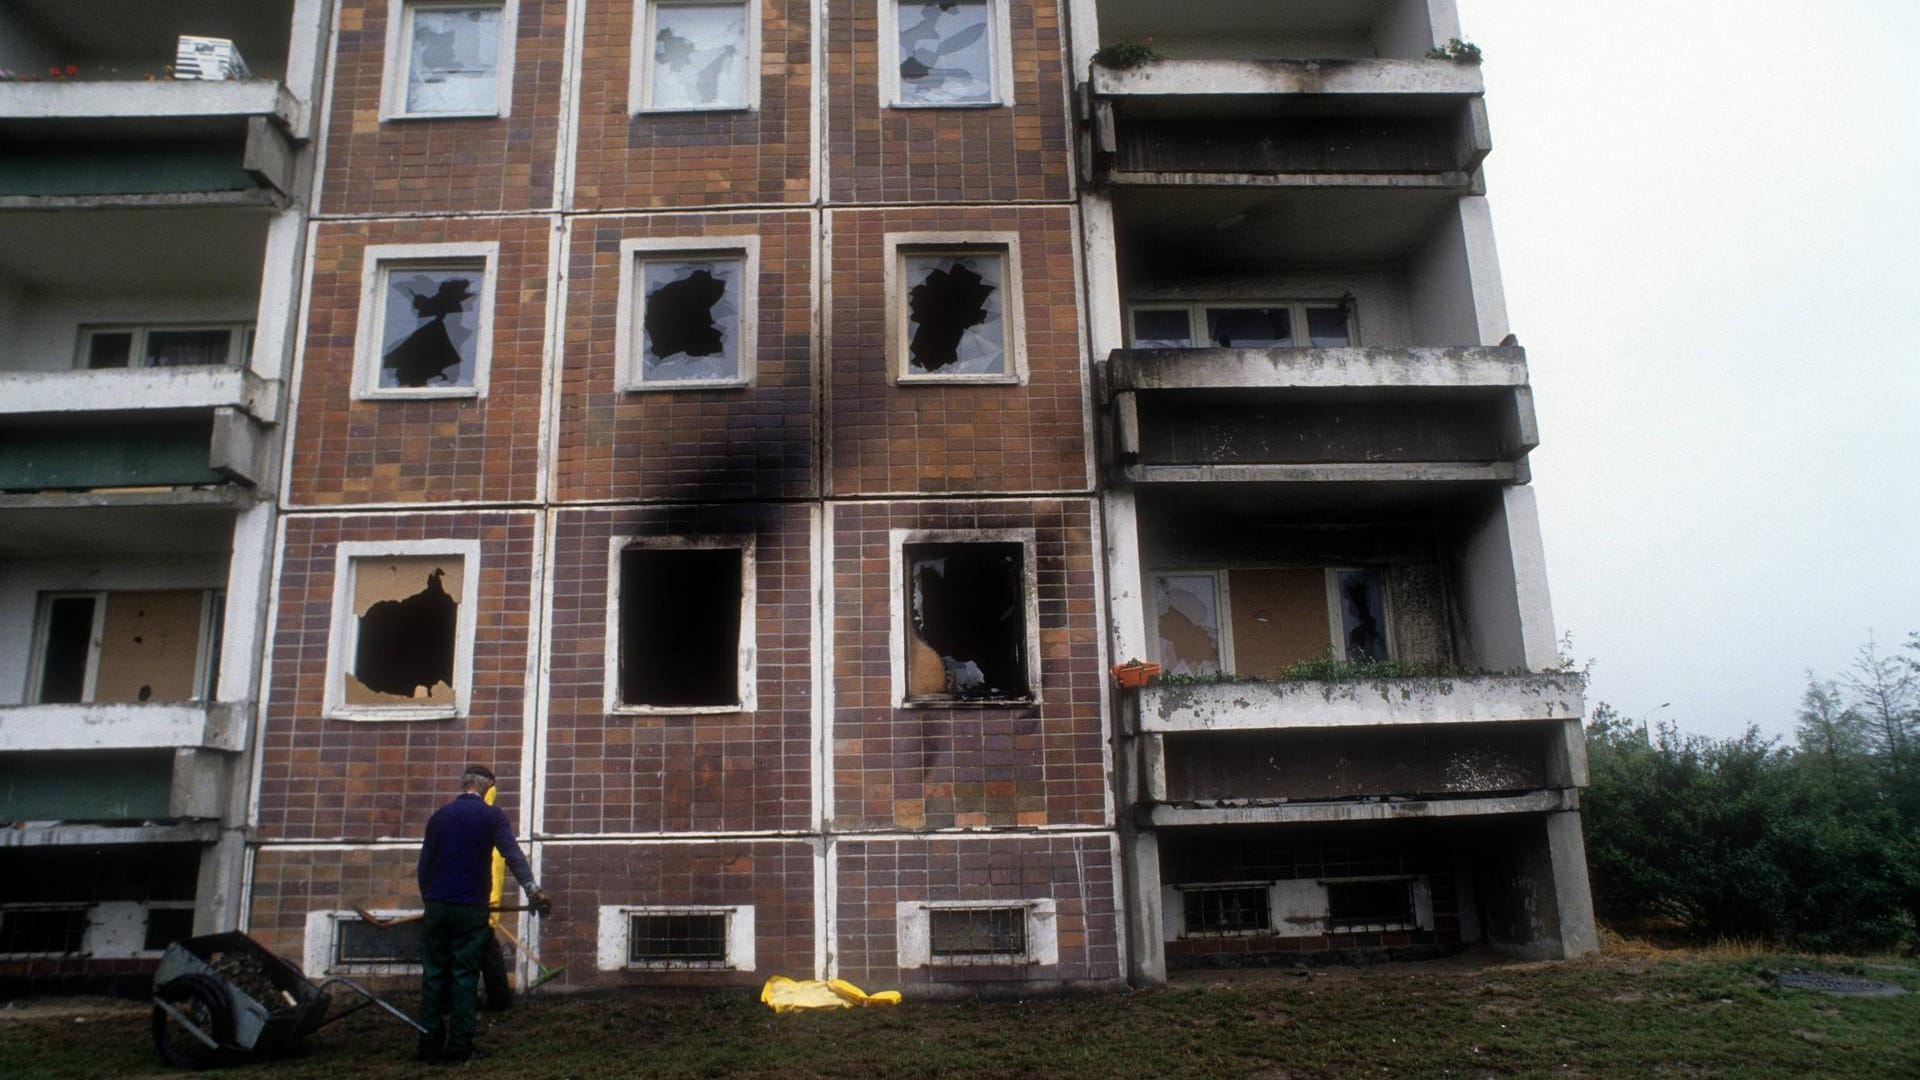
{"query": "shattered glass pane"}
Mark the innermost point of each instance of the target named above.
(453, 59)
(954, 322)
(187, 348)
(968, 621)
(699, 56)
(1186, 613)
(113, 349)
(690, 326)
(1250, 328)
(1363, 617)
(1327, 326)
(1162, 329)
(945, 53)
(429, 334)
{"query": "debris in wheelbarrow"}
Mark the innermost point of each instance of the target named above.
(222, 998)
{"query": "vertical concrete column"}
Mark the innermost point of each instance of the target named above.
(1572, 894)
(222, 883)
(1503, 577)
(1483, 269)
(1146, 951)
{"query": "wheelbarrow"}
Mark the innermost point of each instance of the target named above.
(223, 998)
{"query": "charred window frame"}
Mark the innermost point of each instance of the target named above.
(950, 54)
(416, 343)
(955, 304)
(965, 618)
(74, 631)
(391, 625)
(711, 653)
(1329, 323)
(676, 937)
(1358, 611)
(449, 58)
(697, 299)
(973, 933)
(695, 56)
(163, 345)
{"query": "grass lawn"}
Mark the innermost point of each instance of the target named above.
(1631, 1012)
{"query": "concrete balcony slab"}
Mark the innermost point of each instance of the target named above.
(143, 726)
(1262, 706)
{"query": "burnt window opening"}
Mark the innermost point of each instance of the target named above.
(356, 941)
(429, 334)
(690, 325)
(1370, 905)
(691, 939)
(946, 52)
(1237, 909)
(977, 934)
(43, 931)
(680, 612)
(1363, 615)
(955, 316)
(406, 630)
(699, 56)
(967, 635)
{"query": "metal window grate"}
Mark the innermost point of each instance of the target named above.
(681, 939)
(1370, 905)
(43, 931)
(1236, 909)
(977, 934)
(356, 941)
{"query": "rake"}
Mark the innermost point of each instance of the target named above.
(542, 973)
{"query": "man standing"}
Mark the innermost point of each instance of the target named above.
(455, 880)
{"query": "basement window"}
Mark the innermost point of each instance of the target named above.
(127, 647)
(449, 59)
(1225, 910)
(401, 646)
(204, 345)
(1373, 905)
(1259, 621)
(693, 937)
(357, 941)
(1244, 326)
(683, 626)
(694, 55)
(967, 622)
(946, 53)
(43, 930)
(426, 320)
(976, 933)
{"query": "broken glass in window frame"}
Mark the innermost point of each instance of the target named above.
(701, 347)
(1315, 323)
(419, 72)
(410, 301)
(738, 328)
(989, 345)
(946, 54)
(672, 72)
(1000, 672)
(456, 585)
(1197, 598)
(1359, 615)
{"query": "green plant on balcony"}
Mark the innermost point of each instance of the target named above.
(1122, 55)
(1460, 52)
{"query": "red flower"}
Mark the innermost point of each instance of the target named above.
(72, 69)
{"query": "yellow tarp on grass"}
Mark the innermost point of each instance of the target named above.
(782, 994)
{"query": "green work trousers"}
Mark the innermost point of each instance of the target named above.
(450, 971)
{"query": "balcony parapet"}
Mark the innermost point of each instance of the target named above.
(195, 725)
(1376, 85)
(1469, 368)
(1277, 812)
(1453, 699)
(139, 390)
(151, 103)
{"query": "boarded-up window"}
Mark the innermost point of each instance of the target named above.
(405, 630)
(699, 56)
(429, 323)
(453, 58)
(680, 619)
(956, 321)
(128, 646)
(1186, 614)
(1279, 618)
(690, 321)
(945, 52)
(966, 632)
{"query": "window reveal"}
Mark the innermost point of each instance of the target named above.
(429, 335)
(699, 58)
(690, 327)
(945, 52)
(966, 633)
(680, 626)
(955, 323)
(453, 59)
(406, 623)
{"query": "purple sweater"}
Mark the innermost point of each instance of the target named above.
(456, 859)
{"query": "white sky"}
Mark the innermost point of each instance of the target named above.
(1708, 226)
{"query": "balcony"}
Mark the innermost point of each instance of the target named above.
(1293, 415)
(1452, 699)
(123, 726)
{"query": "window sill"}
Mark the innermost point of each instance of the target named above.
(679, 710)
(405, 117)
(449, 393)
(684, 384)
(691, 110)
(949, 104)
(968, 703)
(959, 380)
(369, 714)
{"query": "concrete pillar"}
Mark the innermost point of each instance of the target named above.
(1572, 895)
(1146, 949)
(222, 883)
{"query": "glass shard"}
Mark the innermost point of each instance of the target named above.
(699, 56)
(945, 53)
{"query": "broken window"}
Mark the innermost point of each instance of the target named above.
(452, 58)
(356, 941)
(405, 630)
(966, 635)
(1243, 326)
(680, 622)
(1363, 616)
(690, 322)
(160, 646)
(1370, 905)
(1186, 615)
(1225, 909)
(429, 324)
(1273, 618)
(955, 323)
(677, 939)
(945, 52)
(160, 346)
(699, 56)
(977, 934)
(52, 930)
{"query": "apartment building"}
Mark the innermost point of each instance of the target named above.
(756, 427)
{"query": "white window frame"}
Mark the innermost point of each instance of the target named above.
(635, 253)
(999, 60)
(212, 607)
(1223, 606)
(344, 634)
(239, 334)
(901, 611)
(1005, 245)
(616, 925)
(378, 262)
(748, 645)
(640, 59)
(1197, 317)
(320, 944)
(397, 71)
(913, 934)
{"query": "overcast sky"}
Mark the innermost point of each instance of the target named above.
(1709, 220)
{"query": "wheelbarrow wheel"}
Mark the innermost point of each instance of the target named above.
(202, 1000)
